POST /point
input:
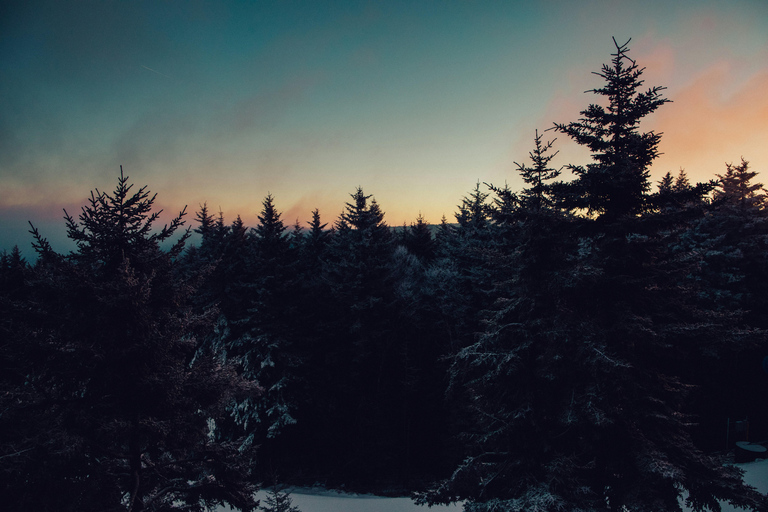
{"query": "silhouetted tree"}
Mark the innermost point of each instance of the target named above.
(736, 189)
(538, 195)
(317, 238)
(576, 385)
(278, 500)
(418, 239)
(679, 195)
(129, 402)
(731, 276)
(266, 349)
(616, 183)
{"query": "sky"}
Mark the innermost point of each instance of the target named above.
(225, 102)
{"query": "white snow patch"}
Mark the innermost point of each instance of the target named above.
(322, 500)
(311, 499)
(756, 475)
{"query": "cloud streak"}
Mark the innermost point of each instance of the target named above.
(155, 71)
(711, 121)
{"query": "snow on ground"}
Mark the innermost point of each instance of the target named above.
(307, 500)
(320, 500)
(756, 475)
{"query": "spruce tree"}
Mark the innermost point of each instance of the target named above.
(736, 189)
(129, 402)
(538, 195)
(577, 386)
(616, 183)
(474, 212)
(318, 236)
(419, 239)
(278, 500)
(732, 241)
(266, 349)
(361, 353)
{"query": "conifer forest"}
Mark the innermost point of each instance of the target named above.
(577, 345)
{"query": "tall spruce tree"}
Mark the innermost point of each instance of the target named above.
(577, 384)
(129, 403)
(361, 352)
(467, 247)
(732, 241)
(616, 183)
(267, 350)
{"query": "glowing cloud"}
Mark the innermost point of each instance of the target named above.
(716, 119)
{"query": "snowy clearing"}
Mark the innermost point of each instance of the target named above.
(319, 500)
(756, 475)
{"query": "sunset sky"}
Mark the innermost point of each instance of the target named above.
(224, 102)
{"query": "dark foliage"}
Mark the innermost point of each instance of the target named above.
(577, 385)
(616, 182)
(117, 410)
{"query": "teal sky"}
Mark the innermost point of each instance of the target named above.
(224, 102)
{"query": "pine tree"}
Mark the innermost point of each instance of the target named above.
(736, 188)
(731, 242)
(682, 184)
(467, 249)
(577, 384)
(271, 239)
(666, 184)
(678, 195)
(617, 182)
(278, 500)
(206, 221)
(538, 196)
(24, 431)
(230, 284)
(256, 329)
(129, 403)
(318, 236)
(419, 240)
(474, 212)
(13, 271)
(360, 346)
(732, 239)
(296, 237)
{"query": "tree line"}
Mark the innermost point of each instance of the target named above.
(575, 345)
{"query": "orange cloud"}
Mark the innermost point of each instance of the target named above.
(45, 201)
(658, 59)
(715, 119)
(717, 116)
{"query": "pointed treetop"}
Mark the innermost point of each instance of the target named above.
(270, 233)
(359, 214)
(737, 189)
(119, 225)
(536, 196)
(474, 210)
(666, 184)
(617, 182)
